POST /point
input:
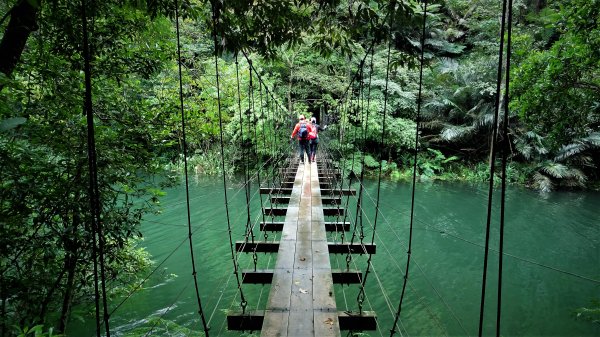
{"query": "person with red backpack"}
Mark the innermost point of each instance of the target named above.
(302, 130)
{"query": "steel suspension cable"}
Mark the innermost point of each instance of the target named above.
(385, 101)
(242, 145)
(414, 175)
(259, 156)
(352, 174)
(95, 207)
(247, 145)
(185, 163)
(504, 148)
(243, 302)
(492, 168)
(251, 113)
(372, 199)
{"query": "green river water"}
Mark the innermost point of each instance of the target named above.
(551, 262)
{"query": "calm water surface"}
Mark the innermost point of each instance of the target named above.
(551, 262)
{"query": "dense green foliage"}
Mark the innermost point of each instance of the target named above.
(311, 52)
(554, 125)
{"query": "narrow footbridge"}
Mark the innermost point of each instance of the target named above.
(302, 297)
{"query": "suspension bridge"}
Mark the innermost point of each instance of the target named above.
(302, 300)
(303, 203)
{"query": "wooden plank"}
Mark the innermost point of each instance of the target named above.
(333, 211)
(355, 248)
(323, 323)
(337, 191)
(272, 226)
(259, 276)
(280, 200)
(275, 190)
(302, 287)
(287, 184)
(329, 171)
(337, 226)
(260, 246)
(333, 247)
(251, 320)
(274, 211)
(277, 226)
(265, 276)
(275, 323)
(335, 200)
(325, 176)
(367, 321)
(326, 323)
(346, 276)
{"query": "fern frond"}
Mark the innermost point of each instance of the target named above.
(448, 65)
(577, 175)
(455, 132)
(593, 139)
(578, 146)
(555, 170)
(524, 149)
(570, 150)
(542, 182)
(485, 120)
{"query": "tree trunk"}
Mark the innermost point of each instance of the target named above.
(22, 23)
(70, 266)
(3, 297)
(71, 246)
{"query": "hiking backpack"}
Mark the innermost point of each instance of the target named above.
(303, 132)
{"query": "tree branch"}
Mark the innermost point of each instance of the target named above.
(23, 21)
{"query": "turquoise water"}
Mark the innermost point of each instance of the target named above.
(551, 262)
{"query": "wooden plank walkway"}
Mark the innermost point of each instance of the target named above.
(302, 300)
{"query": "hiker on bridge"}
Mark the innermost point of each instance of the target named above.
(302, 130)
(313, 137)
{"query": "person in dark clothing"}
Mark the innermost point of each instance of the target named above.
(314, 137)
(302, 131)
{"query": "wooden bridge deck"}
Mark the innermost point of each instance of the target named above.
(302, 299)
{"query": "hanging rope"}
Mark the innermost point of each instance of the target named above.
(185, 163)
(492, 167)
(246, 174)
(504, 148)
(250, 113)
(414, 175)
(259, 158)
(95, 207)
(352, 174)
(243, 302)
(361, 294)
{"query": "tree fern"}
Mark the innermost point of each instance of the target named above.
(542, 182)
(591, 141)
(455, 132)
(555, 170)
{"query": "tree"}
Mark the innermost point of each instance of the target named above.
(44, 205)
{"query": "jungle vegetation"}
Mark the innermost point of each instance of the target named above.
(306, 51)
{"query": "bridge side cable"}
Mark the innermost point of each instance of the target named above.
(187, 191)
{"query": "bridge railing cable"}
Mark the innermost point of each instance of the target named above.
(185, 155)
(94, 193)
(414, 173)
(501, 72)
